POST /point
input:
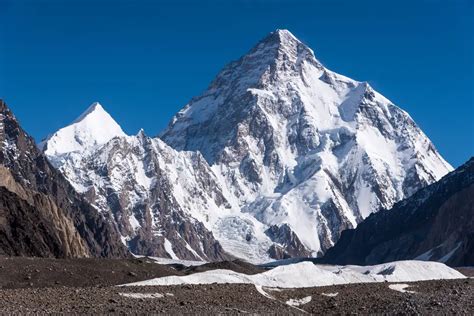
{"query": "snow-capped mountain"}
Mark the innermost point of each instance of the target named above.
(299, 146)
(275, 159)
(93, 128)
(40, 213)
(160, 199)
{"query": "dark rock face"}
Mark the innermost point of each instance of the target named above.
(32, 229)
(288, 244)
(436, 223)
(41, 214)
(138, 191)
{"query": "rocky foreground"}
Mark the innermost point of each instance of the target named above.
(87, 286)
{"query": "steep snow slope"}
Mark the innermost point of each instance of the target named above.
(91, 129)
(302, 148)
(275, 159)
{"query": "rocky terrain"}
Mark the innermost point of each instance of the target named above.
(274, 160)
(147, 188)
(302, 148)
(86, 286)
(436, 223)
(40, 212)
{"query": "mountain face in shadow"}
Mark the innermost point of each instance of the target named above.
(436, 223)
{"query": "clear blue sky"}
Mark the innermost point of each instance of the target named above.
(144, 60)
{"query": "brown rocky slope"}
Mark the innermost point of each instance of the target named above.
(40, 213)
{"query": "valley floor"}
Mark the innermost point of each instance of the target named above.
(87, 286)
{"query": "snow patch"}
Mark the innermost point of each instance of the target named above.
(307, 274)
(169, 249)
(400, 288)
(166, 261)
(299, 302)
(142, 295)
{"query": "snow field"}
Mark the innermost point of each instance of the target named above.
(307, 274)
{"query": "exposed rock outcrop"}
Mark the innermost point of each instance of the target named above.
(40, 212)
(436, 223)
(277, 142)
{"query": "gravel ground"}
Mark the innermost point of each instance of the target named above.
(87, 287)
(21, 272)
(430, 297)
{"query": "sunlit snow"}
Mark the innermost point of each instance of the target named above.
(307, 274)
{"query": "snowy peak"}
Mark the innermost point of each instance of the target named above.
(295, 143)
(285, 34)
(96, 119)
(292, 154)
(284, 40)
(286, 48)
(92, 128)
(95, 107)
(280, 39)
(40, 214)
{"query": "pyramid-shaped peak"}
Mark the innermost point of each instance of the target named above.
(92, 128)
(280, 37)
(95, 107)
(282, 42)
(285, 34)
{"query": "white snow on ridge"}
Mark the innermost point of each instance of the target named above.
(307, 274)
(309, 149)
(277, 139)
(93, 128)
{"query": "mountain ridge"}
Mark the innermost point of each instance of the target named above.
(93, 128)
(276, 120)
(433, 224)
(38, 204)
(294, 153)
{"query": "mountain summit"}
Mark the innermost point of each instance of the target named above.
(40, 213)
(301, 147)
(273, 160)
(92, 128)
(154, 195)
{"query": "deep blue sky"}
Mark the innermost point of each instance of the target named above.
(144, 60)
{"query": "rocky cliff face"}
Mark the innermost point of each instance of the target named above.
(275, 159)
(40, 213)
(296, 144)
(436, 223)
(152, 193)
(159, 199)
